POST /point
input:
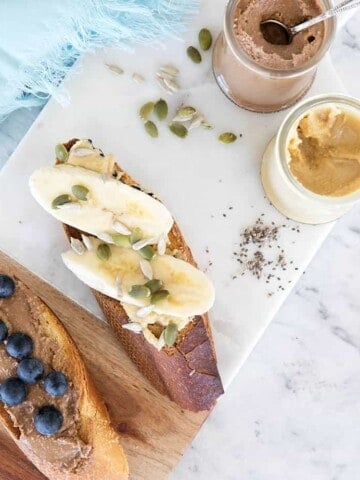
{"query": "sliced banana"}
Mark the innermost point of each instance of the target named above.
(107, 202)
(191, 293)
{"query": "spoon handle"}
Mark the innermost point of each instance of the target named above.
(342, 7)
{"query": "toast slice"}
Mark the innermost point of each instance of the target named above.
(86, 447)
(186, 371)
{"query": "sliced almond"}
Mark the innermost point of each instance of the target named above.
(161, 247)
(145, 311)
(133, 327)
(144, 243)
(77, 246)
(146, 269)
(105, 237)
(87, 242)
(120, 228)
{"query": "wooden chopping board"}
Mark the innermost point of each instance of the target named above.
(155, 431)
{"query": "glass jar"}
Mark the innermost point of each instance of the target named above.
(259, 88)
(283, 190)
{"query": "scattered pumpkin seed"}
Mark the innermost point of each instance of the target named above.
(121, 240)
(161, 109)
(154, 285)
(194, 54)
(146, 110)
(115, 68)
(186, 113)
(227, 137)
(103, 251)
(178, 129)
(205, 39)
(136, 235)
(147, 252)
(159, 295)
(151, 129)
(61, 153)
(60, 200)
(80, 192)
(140, 291)
(170, 334)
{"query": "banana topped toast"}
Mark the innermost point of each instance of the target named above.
(48, 403)
(128, 249)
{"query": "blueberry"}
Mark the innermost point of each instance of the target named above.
(48, 420)
(19, 345)
(3, 331)
(7, 286)
(56, 384)
(30, 370)
(13, 391)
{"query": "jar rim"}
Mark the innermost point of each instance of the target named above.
(239, 53)
(282, 138)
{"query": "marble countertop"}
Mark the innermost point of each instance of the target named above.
(293, 411)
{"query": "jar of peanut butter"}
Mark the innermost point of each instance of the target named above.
(311, 169)
(258, 75)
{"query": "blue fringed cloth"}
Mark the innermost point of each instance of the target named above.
(41, 39)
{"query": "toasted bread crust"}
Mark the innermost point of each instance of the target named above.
(107, 459)
(187, 372)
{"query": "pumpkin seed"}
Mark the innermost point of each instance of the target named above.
(136, 235)
(227, 137)
(151, 129)
(103, 251)
(170, 334)
(121, 240)
(194, 54)
(159, 295)
(185, 113)
(80, 192)
(61, 153)
(178, 129)
(161, 109)
(139, 291)
(154, 285)
(115, 68)
(146, 110)
(60, 200)
(147, 252)
(205, 39)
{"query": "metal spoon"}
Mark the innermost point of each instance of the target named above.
(277, 33)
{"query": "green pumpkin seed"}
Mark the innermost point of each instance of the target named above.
(186, 113)
(136, 235)
(154, 285)
(170, 334)
(80, 192)
(103, 251)
(121, 240)
(146, 110)
(227, 137)
(161, 109)
(60, 200)
(178, 129)
(61, 153)
(151, 129)
(140, 291)
(147, 252)
(205, 39)
(194, 54)
(159, 295)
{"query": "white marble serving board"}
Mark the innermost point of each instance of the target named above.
(197, 178)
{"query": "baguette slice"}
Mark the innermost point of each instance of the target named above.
(102, 455)
(187, 373)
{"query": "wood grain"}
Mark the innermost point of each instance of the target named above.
(155, 431)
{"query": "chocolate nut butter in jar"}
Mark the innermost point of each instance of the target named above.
(260, 76)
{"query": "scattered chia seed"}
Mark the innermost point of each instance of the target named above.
(255, 257)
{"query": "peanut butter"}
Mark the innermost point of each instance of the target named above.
(324, 151)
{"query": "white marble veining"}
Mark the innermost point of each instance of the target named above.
(292, 413)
